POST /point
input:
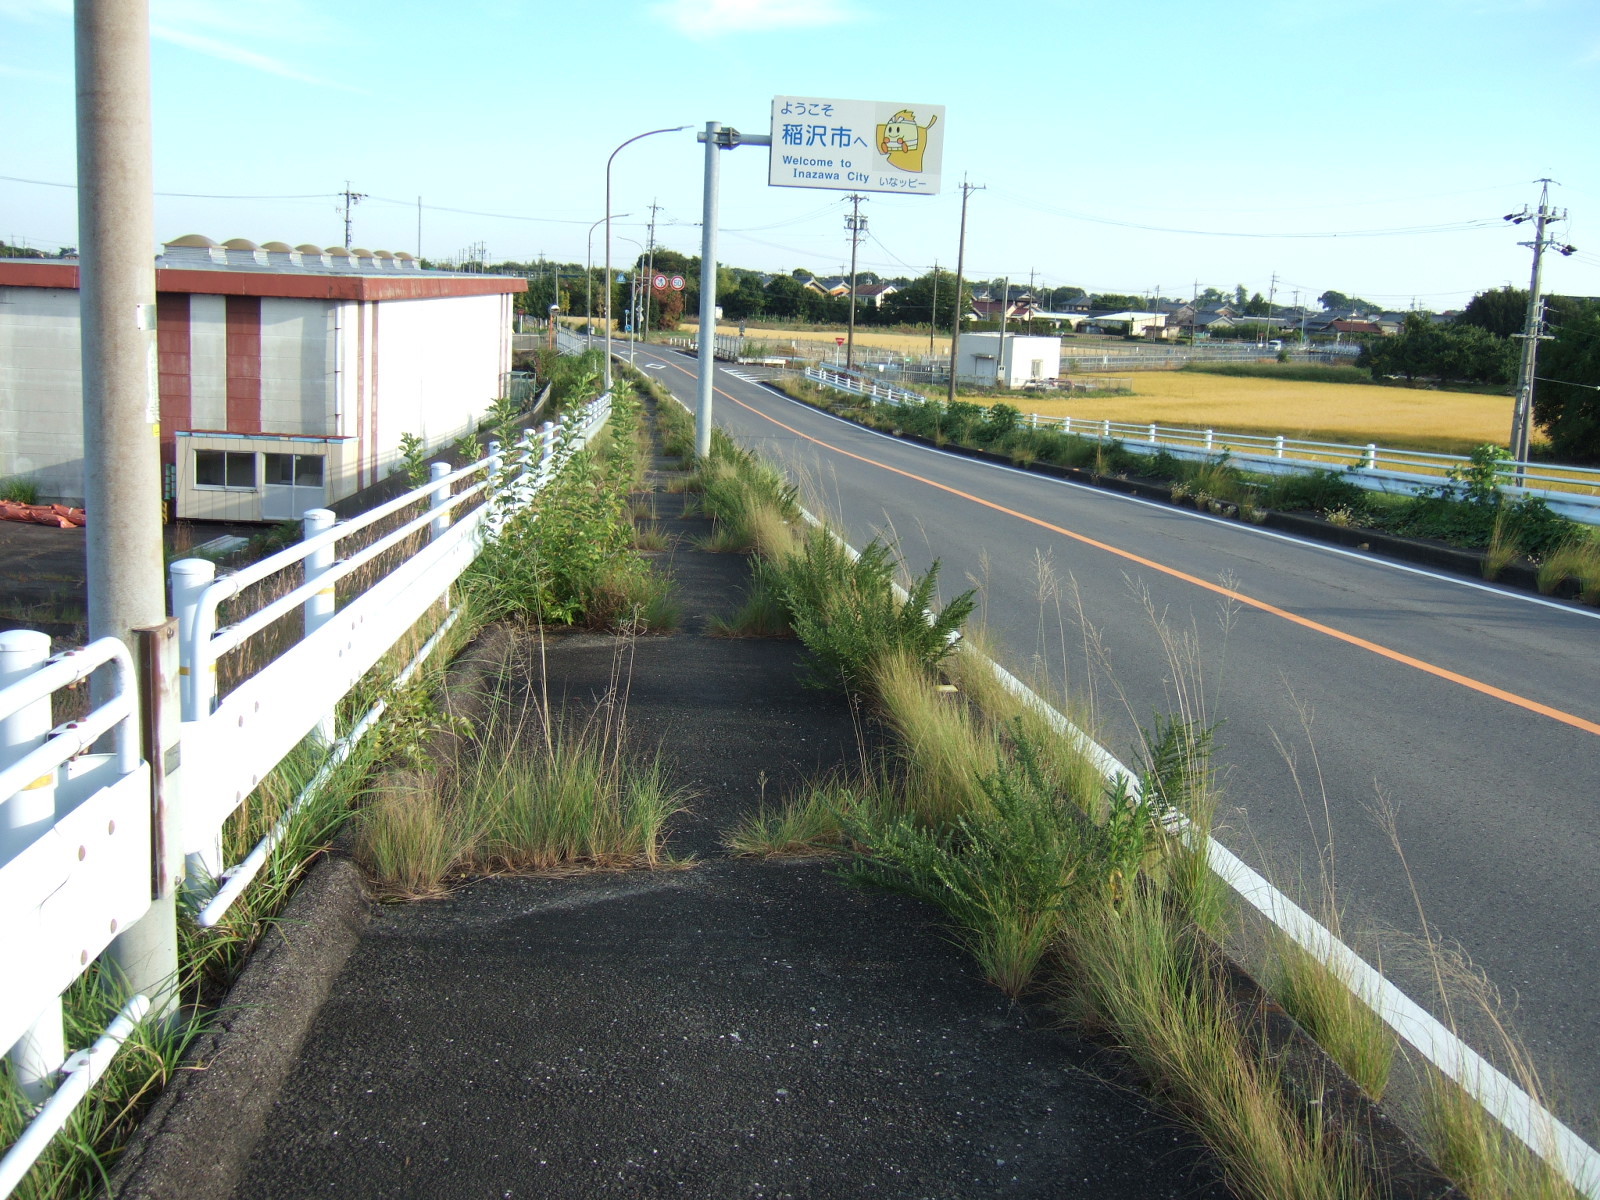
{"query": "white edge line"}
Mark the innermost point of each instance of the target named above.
(1533, 1124)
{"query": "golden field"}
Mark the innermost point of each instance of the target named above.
(1405, 418)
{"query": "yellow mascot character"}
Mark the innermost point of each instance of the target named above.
(903, 141)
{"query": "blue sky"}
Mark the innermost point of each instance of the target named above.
(1122, 146)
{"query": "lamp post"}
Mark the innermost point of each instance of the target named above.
(632, 314)
(588, 284)
(607, 219)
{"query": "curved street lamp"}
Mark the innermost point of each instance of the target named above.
(607, 219)
(588, 284)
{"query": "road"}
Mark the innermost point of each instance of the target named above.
(1345, 687)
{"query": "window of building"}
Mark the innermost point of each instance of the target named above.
(225, 469)
(294, 470)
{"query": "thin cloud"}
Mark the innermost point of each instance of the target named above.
(712, 18)
(11, 72)
(228, 52)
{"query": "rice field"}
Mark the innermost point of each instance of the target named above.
(1403, 418)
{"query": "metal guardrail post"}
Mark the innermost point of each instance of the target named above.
(547, 448)
(1369, 461)
(197, 674)
(319, 610)
(190, 577)
(39, 1053)
(30, 812)
(1278, 447)
(439, 499)
(1152, 433)
(1210, 436)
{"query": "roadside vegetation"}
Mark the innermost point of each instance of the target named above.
(1088, 894)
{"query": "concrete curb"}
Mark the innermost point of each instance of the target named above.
(195, 1141)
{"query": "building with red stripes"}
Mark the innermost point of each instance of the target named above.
(286, 375)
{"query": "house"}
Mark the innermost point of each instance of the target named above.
(985, 308)
(875, 293)
(834, 285)
(1345, 328)
(286, 375)
(1131, 324)
(984, 361)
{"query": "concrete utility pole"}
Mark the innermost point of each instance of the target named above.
(353, 198)
(857, 225)
(961, 261)
(121, 409)
(1533, 325)
(933, 314)
(650, 275)
(1000, 350)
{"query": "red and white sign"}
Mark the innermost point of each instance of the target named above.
(677, 283)
(660, 283)
(840, 341)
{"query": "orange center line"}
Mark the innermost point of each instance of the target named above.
(1466, 681)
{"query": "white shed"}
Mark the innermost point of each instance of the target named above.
(984, 362)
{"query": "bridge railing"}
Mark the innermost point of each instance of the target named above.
(78, 841)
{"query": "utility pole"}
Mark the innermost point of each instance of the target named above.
(121, 409)
(419, 230)
(353, 198)
(650, 289)
(961, 261)
(857, 225)
(933, 313)
(1272, 291)
(1533, 325)
(1000, 349)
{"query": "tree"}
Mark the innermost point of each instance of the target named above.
(1116, 302)
(1211, 297)
(1332, 299)
(1062, 296)
(1240, 296)
(1257, 306)
(1566, 397)
(913, 304)
(1449, 353)
(1501, 311)
(785, 297)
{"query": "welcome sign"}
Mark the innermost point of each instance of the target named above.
(857, 145)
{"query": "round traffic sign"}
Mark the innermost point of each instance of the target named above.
(660, 282)
(840, 341)
(677, 283)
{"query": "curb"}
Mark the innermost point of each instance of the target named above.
(193, 1144)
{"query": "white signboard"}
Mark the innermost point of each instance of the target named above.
(856, 145)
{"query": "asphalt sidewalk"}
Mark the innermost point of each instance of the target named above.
(737, 1028)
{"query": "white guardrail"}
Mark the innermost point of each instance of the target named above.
(77, 839)
(1573, 492)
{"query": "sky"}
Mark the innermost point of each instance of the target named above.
(1371, 147)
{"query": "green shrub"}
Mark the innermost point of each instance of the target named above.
(846, 613)
(19, 490)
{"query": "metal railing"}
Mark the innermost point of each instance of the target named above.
(77, 835)
(1572, 492)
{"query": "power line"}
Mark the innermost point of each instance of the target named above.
(174, 195)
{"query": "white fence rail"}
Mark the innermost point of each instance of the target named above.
(1573, 492)
(77, 839)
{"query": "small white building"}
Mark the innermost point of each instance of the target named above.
(983, 361)
(286, 374)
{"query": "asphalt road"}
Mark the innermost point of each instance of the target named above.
(1345, 686)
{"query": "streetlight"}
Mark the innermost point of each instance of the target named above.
(588, 286)
(607, 218)
(632, 314)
